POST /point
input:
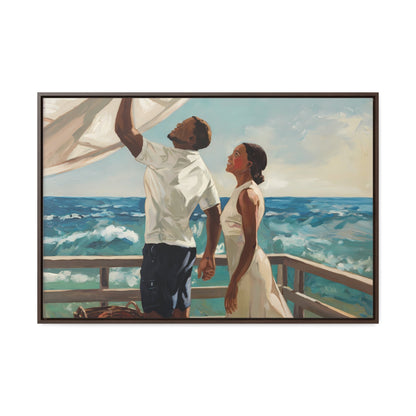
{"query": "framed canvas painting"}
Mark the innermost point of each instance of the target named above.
(208, 207)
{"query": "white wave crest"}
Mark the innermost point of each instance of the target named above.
(111, 232)
(108, 234)
(48, 217)
(62, 276)
(73, 216)
(293, 241)
(329, 259)
(137, 214)
(348, 264)
(81, 278)
(120, 275)
(220, 249)
(272, 214)
(66, 276)
(362, 265)
(197, 228)
(103, 214)
(67, 239)
(339, 213)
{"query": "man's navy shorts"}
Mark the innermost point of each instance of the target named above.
(165, 282)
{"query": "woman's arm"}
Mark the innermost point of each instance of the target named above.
(125, 130)
(247, 206)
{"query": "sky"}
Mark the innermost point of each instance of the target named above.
(318, 147)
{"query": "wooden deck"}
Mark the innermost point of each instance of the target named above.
(296, 294)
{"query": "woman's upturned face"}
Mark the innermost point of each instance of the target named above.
(238, 161)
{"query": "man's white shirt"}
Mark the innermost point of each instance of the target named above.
(175, 182)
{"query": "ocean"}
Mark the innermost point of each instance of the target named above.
(337, 232)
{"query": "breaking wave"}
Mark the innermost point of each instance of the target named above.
(91, 241)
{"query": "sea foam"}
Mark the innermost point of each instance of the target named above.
(107, 234)
(67, 276)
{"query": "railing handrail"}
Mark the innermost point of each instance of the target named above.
(76, 262)
(355, 281)
(349, 279)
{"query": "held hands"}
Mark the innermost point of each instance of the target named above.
(230, 301)
(206, 268)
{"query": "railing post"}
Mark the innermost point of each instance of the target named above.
(298, 286)
(281, 275)
(104, 281)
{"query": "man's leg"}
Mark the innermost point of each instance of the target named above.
(177, 313)
(152, 315)
(166, 281)
(150, 283)
(183, 307)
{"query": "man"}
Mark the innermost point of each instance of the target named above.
(176, 181)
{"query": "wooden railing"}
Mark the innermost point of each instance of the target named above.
(296, 294)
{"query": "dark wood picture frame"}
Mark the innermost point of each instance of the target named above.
(285, 261)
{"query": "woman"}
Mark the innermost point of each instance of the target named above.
(252, 292)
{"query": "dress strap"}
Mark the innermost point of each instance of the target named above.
(243, 186)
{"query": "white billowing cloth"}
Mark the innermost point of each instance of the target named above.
(258, 295)
(175, 182)
(79, 131)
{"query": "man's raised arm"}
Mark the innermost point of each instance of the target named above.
(125, 130)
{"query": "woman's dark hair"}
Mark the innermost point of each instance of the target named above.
(202, 133)
(257, 156)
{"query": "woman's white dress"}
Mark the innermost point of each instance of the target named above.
(258, 295)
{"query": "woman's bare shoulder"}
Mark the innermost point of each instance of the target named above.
(248, 198)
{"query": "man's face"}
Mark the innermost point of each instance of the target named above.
(184, 132)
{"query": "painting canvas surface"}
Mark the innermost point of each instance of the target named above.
(318, 228)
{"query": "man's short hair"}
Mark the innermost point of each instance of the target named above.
(202, 133)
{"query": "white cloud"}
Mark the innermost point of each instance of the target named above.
(324, 154)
